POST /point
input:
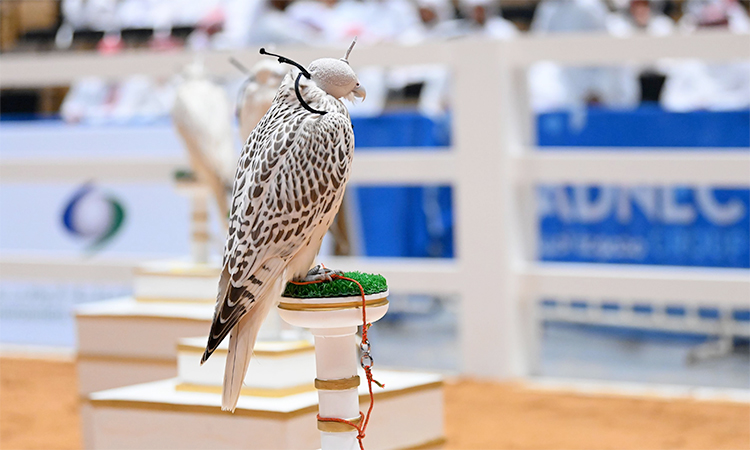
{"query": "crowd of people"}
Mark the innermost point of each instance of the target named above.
(231, 24)
(239, 23)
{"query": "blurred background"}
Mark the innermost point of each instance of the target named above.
(645, 88)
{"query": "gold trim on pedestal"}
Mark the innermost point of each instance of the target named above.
(125, 359)
(338, 427)
(431, 444)
(198, 271)
(299, 306)
(186, 301)
(341, 384)
(214, 409)
(247, 390)
(86, 315)
(199, 409)
(293, 347)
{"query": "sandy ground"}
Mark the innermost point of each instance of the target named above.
(38, 405)
(38, 410)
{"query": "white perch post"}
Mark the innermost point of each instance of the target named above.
(200, 227)
(333, 322)
(198, 194)
(273, 329)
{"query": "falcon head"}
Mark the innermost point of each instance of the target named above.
(336, 77)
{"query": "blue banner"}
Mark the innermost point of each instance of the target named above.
(645, 126)
(645, 225)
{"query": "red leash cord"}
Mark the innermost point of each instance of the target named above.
(365, 361)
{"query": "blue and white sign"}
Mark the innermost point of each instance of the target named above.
(645, 225)
(93, 216)
(138, 221)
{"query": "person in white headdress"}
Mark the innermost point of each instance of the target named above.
(554, 87)
(433, 16)
(141, 99)
(387, 20)
(336, 22)
(726, 14)
(274, 22)
(73, 18)
(695, 85)
(87, 101)
(634, 16)
(480, 18)
(483, 18)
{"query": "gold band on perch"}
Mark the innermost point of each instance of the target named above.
(338, 427)
(246, 390)
(289, 306)
(341, 384)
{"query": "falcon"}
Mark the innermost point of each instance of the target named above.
(288, 187)
(202, 114)
(257, 94)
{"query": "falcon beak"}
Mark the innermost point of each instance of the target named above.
(360, 92)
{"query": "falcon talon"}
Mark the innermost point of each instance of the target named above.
(321, 273)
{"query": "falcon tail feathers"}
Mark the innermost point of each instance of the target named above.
(241, 343)
(224, 281)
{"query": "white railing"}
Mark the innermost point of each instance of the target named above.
(50, 69)
(380, 166)
(493, 168)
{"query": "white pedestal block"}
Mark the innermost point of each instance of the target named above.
(176, 281)
(132, 340)
(183, 282)
(96, 373)
(123, 341)
(277, 368)
(408, 414)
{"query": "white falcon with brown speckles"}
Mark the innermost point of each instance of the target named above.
(287, 190)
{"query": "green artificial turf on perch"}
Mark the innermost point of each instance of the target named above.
(371, 283)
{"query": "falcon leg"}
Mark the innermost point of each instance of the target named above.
(320, 273)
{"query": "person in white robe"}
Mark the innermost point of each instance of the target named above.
(554, 87)
(696, 85)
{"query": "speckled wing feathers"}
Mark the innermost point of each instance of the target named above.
(290, 177)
